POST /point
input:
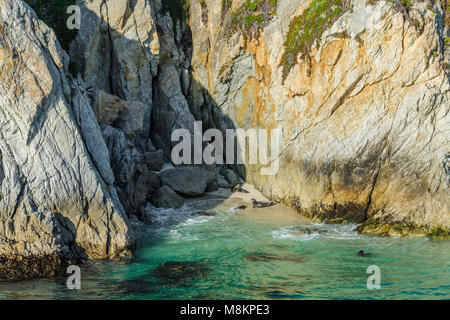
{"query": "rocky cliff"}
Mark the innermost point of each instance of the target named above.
(361, 91)
(359, 88)
(58, 202)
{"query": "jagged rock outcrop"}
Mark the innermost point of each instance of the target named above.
(117, 50)
(57, 199)
(365, 115)
(126, 116)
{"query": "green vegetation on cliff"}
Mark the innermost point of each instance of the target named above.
(250, 18)
(307, 28)
(54, 14)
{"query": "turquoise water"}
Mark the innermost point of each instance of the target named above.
(295, 265)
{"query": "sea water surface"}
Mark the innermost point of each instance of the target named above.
(248, 259)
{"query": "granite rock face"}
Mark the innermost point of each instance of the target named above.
(117, 48)
(365, 122)
(56, 184)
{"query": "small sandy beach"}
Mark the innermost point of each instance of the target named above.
(279, 213)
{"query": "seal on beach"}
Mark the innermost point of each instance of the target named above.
(260, 204)
(241, 208)
(361, 253)
(238, 188)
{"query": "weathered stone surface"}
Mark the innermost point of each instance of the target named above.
(54, 185)
(147, 183)
(231, 176)
(222, 182)
(171, 110)
(117, 49)
(165, 197)
(187, 181)
(154, 160)
(127, 165)
(128, 116)
(365, 126)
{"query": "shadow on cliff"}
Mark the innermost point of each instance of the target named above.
(165, 110)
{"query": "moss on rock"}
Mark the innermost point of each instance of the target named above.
(251, 17)
(31, 267)
(385, 228)
(306, 29)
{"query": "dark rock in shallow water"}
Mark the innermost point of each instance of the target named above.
(134, 286)
(165, 197)
(188, 181)
(182, 272)
(25, 268)
(361, 253)
(269, 257)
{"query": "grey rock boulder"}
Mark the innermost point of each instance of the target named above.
(222, 182)
(231, 177)
(188, 181)
(165, 197)
(154, 160)
(147, 182)
(128, 116)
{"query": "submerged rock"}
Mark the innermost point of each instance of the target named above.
(182, 272)
(361, 253)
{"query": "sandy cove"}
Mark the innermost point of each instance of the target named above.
(279, 213)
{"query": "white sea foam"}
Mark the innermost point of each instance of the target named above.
(289, 233)
(318, 230)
